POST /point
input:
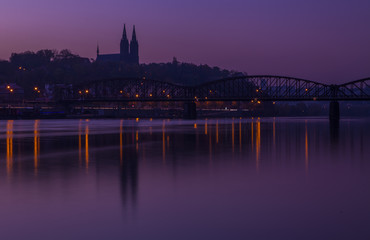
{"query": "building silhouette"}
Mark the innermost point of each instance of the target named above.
(129, 52)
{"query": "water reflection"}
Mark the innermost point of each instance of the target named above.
(233, 134)
(137, 140)
(129, 179)
(191, 174)
(214, 132)
(9, 146)
(306, 147)
(80, 142)
(274, 133)
(334, 132)
(163, 142)
(121, 142)
(87, 146)
(36, 145)
(240, 135)
(258, 144)
(210, 146)
(252, 135)
(217, 131)
(206, 127)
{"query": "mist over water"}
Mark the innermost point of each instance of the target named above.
(283, 178)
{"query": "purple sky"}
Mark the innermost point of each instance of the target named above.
(321, 40)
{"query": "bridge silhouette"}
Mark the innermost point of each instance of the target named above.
(241, 88)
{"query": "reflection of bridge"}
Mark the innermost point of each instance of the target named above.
(242, 88)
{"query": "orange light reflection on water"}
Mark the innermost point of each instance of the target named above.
(87, 146)
(210, 146)
(217, 131)
(79, 144)
(274, 133)
(206, 127)
(9, 146)
(121, 142)
(233, 134)
(137, 140)
(36, 144)
(240, 135)
(164, 142)
(306, 148)
(258, 144)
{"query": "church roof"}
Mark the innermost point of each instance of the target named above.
(108, 57)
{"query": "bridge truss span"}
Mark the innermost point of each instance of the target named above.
(240, 88)
(263, 87)
(355, 90)
(130, 89)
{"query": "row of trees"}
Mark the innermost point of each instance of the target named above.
(29, 69)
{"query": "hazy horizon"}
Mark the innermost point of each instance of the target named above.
(315, 40)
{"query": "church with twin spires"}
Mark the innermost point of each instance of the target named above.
(129, 53)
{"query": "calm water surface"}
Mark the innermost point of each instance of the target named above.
(173, 179)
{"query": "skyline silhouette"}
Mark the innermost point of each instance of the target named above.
(314, 40)
(129, 51)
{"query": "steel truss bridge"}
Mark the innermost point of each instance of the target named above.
(242, 88)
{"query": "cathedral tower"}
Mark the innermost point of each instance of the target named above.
(124, 47)
(129, 53)
(134, 49)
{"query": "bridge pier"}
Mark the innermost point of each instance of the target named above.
(190, 110)
(334, 114)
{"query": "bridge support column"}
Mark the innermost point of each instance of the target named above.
(334, 114)
(190, 110)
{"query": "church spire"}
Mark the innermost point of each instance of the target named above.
(134, 48)
(124, 34)
(124, 47)
(134, 34)
(97, 49)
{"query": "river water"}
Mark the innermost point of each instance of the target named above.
(283, 178)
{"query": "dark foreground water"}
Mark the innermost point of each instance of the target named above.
(215, 179)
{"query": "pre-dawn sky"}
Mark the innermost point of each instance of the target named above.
(321, 40)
